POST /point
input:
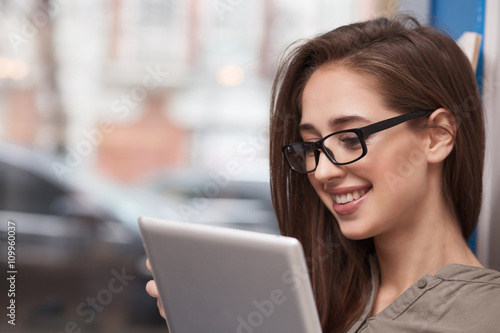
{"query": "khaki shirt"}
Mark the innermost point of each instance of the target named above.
(458, 298)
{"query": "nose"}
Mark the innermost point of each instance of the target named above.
(326, 170)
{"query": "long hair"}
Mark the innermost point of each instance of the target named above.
(415, 68)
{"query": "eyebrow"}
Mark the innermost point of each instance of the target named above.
(333, 122)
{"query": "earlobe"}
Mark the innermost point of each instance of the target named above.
(441, 131)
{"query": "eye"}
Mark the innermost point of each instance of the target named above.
(309, 149)
(349, 140)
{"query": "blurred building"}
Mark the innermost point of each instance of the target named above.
(133, 87)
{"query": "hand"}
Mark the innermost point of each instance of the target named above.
(153, 291)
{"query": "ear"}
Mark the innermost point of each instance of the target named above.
(441, 131)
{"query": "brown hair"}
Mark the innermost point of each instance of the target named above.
(416, 68)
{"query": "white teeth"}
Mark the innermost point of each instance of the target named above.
(345, 198)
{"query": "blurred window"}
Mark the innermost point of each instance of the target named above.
(156, 12)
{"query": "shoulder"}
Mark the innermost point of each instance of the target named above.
(470, 276)
(457, 298)
(466, 297)
(473, 287)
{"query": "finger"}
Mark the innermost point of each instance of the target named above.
(151, 289)
(160, 308)
(148, 265)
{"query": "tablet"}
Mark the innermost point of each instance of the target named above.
(221, 280)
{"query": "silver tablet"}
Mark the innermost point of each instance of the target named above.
(220, 280)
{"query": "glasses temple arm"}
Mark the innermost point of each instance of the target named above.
(388, 123)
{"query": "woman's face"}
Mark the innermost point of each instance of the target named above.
(379, 193)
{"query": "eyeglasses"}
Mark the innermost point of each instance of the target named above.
(342, 147)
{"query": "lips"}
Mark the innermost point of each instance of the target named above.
(347, 200)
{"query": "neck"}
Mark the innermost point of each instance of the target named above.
(429, 242)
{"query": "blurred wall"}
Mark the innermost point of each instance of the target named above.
(489, 227)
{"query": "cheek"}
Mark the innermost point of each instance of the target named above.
(318, 186)
(401, 172)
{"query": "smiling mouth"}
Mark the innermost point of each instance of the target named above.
(348, 197)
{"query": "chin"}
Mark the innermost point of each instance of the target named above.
(356, 236)
(354, 232)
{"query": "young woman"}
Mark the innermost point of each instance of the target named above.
(377, 148)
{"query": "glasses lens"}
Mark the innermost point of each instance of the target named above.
(301, 156)
(344, 147)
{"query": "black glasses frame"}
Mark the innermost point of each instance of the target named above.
(362, 133)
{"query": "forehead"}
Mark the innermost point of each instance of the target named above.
(336, 92)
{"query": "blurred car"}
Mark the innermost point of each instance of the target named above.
(241, 201)
(73, 237)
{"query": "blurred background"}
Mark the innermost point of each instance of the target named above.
(114, 109)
